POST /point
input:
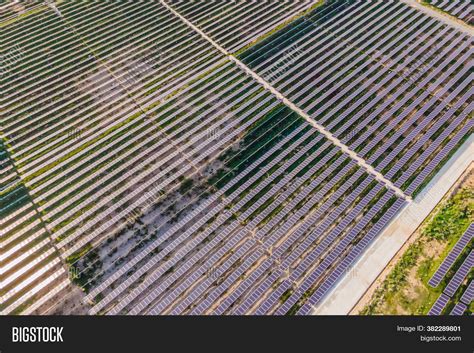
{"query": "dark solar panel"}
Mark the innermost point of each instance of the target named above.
(468, 295)
(439, 305)
(458, 309)
(452, 256)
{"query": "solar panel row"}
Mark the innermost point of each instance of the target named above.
(238, 284)
(235, 25)
(342, 78)
(458, 278)
(460, 275)
(302, 213)
(117, 99)
(45, 97)
(120, 101)
(439, 305)
(468, 295)
(452, 256)
(462, 9)
(225, 233)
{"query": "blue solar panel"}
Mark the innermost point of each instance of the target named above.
(400, 117)
(439, 305)
(328, 231)
(353, 254)
(468, 295)
(458, 309)
(226, 303)
(459, 121)
(336, 231)
(279, 233)
(452, 256)
(425, 138)
(460, 275)
(332, 257)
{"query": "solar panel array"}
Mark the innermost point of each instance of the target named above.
(135, 153)
(389, 81)
(462, 9)
(453, 286)
(235, 24)
(448, 262)
(22, 268)
(9, 10)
